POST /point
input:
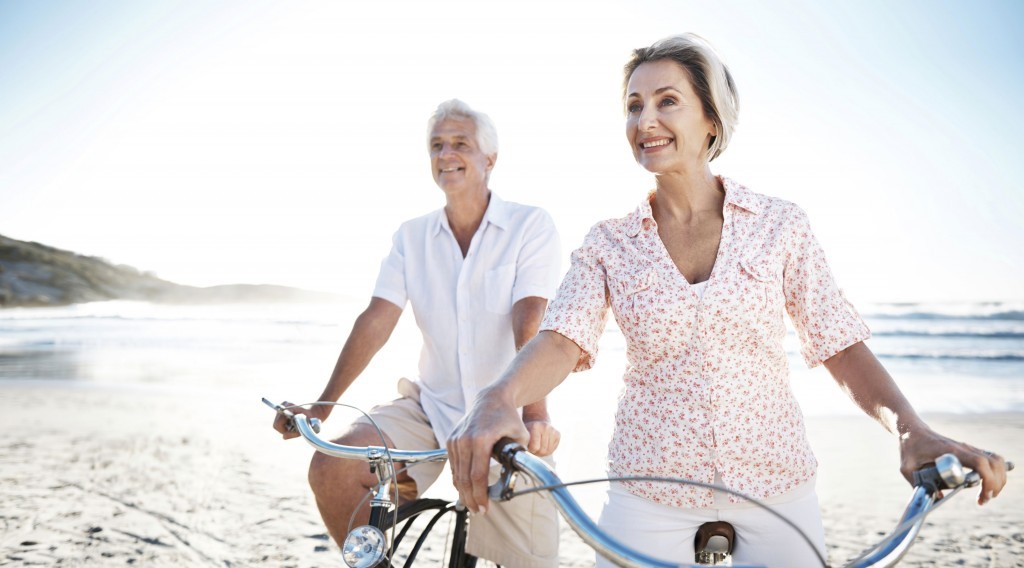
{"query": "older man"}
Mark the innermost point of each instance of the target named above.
(478, 274)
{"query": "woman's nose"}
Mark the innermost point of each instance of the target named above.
(648, 118)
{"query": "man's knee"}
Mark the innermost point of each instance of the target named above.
(329, 474)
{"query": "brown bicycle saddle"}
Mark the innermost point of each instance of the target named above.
(714, 538)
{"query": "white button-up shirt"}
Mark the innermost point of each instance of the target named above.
(707, 385)
(463, 306)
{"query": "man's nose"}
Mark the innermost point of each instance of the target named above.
(446, 150)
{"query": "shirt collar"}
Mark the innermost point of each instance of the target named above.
(635, 221)
(738, 195)
(496, 214)
(735, 194)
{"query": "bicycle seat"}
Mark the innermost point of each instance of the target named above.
(713, 542)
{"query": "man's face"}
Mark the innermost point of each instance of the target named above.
(456, 160)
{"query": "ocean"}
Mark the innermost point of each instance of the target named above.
(953, 357)
(960, 358)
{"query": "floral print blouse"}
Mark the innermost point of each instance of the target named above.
(707, 381)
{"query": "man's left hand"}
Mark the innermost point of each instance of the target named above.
(544, 437)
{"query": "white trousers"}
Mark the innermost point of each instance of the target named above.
(667, 532)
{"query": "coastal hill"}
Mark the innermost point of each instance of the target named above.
(35, 275)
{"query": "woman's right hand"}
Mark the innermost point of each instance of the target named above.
(491, 418)
(922, 445)
(283, 425)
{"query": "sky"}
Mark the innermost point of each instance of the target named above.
(284, 142)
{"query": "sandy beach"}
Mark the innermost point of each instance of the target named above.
(112, 476)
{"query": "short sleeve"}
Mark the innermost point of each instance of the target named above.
(825, 322)
(390, 284)
(580, 308)
(539, 262)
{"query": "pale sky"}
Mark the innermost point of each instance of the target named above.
(283, 142)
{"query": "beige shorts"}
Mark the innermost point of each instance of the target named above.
(519, 532)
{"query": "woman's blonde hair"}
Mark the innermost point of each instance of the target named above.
(709, 77)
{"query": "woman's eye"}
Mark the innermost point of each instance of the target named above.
(667, 102)
(633, 108)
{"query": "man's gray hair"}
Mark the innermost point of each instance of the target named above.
(486, 133)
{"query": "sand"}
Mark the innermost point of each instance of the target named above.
(105, 476)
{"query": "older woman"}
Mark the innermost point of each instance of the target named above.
(698, 278)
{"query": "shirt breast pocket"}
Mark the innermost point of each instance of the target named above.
(631, 293)
(498, 283)
(762, 283)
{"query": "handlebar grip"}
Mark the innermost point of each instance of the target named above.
(945, 473)
(505, 449)
(948, 473)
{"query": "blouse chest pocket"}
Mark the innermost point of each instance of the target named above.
(630, 292)
(761, 282)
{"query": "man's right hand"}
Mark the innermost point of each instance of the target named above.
(471, 443)
(283, 424)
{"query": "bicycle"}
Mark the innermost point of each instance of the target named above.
(368, 546)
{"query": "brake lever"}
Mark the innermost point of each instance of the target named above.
(973, 478)
(503, 488)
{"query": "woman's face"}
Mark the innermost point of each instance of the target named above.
(665, 122)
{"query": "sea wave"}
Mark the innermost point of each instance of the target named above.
(328, 314)
(938, 334)
(1007, 311)
(993, 357)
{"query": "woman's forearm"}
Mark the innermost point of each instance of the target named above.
(540, 367)
(865, 380)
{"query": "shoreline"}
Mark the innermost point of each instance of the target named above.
(105, 475)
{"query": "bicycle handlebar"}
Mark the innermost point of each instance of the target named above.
(308, 429)
(946, 474)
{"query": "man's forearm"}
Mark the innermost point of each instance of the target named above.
(536, 411)
(370, 332)
(526, 317)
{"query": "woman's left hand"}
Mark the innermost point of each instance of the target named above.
(923, 445)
